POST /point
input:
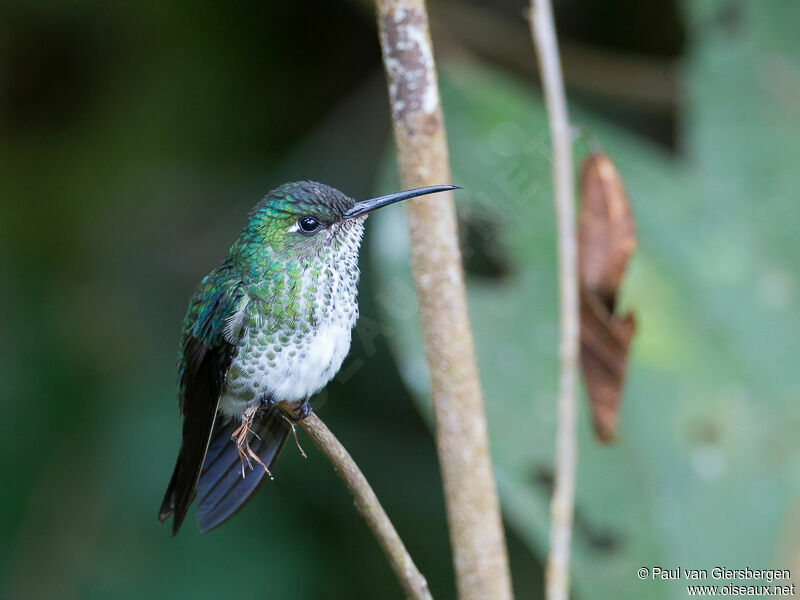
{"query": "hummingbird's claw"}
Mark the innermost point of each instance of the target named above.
(296, 415)
(304, 410)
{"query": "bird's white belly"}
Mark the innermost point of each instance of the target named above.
(289, 373)
(313, 365)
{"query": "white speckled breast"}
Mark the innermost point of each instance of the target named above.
(289, 360)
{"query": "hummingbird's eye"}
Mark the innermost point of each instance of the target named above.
(308, 225)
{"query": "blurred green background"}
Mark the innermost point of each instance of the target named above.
(134, 137)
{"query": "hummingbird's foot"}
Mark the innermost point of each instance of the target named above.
(267, 400)
(242, 438)
(302, 412)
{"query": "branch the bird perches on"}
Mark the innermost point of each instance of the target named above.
(367, 504)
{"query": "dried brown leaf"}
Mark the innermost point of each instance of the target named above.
(606, 235)
(604, 350)
(606, 240)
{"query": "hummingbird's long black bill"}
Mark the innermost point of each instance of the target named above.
(366, 206)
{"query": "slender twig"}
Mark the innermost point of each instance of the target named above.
(367, 504)
(473, 511)
(561, 508)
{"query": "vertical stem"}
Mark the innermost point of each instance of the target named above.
(367, 504)
(473, 510)
(563, 502)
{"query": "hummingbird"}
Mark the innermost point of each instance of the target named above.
(268, 328)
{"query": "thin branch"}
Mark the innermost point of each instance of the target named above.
(367, 504)
(562, 506)
(473, 510)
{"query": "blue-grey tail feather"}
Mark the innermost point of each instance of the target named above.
(222, 490)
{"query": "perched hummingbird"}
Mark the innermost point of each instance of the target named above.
(270, 325)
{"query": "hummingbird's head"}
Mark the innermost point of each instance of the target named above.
(305, 219)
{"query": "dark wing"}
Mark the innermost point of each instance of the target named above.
(222, 490)
(204, 362)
